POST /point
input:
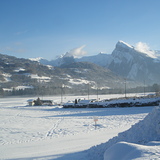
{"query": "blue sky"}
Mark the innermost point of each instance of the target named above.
(48, 28)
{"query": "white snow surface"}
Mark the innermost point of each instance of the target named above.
(19, 69)
(6, 77)
(124, 44)
(52, 132)
(133, 72)
(143, 132)
(18, 88)
(40, 78)
(36, 59)
(127, 151)
(77, 81)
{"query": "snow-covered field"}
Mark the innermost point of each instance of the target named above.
(52, 132)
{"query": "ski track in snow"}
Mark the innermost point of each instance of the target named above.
(54, 129)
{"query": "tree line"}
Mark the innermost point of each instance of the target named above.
(42, 90)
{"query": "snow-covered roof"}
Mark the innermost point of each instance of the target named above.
(69, 103)
(86, 101)
(30, 100)
(124, 44)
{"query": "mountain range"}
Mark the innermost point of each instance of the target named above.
(134, 63)
(24, 76)
(127, 65)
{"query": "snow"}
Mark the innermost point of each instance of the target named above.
(133, 72)
(77, 81)
(36, 59)
(23, 87)
(6, 77)
(143, 132)
(19, 70)
(122, 53)
(124, 44)
(125, 151)
(140, 47)
(52, 132)
(101, 59)
(18, 88)
(40, 78)
(50, 67)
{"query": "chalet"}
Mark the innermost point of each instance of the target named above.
(31, 102)
(79, 103)
(38, 102)
(47, 102)
(69, 104)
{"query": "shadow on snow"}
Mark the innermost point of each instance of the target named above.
(82, 155)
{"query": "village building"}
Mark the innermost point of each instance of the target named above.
(31, 102)
(38, 102)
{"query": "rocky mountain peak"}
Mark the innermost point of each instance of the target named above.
(122, 44)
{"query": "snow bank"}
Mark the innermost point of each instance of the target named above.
(126, 151)
(141, 133)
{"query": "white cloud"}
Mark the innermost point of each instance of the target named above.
(144, 48)
(77, 52)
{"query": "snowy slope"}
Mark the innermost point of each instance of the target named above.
(101, 59)
(16, 72)
(126, 151)
(135, 63)
(142, 132)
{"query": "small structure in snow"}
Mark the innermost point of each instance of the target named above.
(31, 102)
(79, 103)
(39, 102)
(69, 104)
(47, 102)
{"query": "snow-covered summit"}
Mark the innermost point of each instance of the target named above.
(67, 54)
(135, 62)
(100, 59)
(122, 51)
(123, 44)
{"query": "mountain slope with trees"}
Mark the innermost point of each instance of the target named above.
(138, 63)
(23, 76)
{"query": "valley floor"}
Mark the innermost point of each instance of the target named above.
(52, 132)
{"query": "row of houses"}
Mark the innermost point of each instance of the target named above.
(83, 103)
(121, 102)
(94, 103)
(80, 103)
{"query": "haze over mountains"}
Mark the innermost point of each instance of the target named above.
(137, 63)
(20, 76)
(103, 71)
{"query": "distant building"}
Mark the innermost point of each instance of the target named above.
(31, 102)
(79, 103)
(47, 102)
(38, 102)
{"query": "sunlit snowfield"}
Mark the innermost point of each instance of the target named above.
(52, 132)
